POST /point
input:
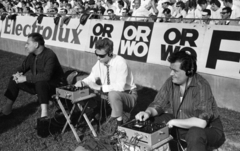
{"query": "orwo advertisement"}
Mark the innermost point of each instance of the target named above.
(216, 47)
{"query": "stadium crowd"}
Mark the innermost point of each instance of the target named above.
(223, 12)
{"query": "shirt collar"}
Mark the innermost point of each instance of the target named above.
(194, 81)
(110, 62)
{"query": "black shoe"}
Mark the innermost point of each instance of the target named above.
(4, 116)
(109, 128)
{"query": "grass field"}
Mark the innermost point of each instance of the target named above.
(18, 133)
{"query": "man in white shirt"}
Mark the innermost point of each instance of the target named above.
(215, 11)
(116, 80)
(163, 5)
(235, 11)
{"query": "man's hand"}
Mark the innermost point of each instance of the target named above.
(79, 84)
(142, 116)
(171, 123)
(16, 75)
(95, 86)
(21, 79)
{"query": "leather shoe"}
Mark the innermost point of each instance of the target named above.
(4, 116)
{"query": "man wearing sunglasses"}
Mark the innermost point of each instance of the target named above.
(226, 13)
(116, 81)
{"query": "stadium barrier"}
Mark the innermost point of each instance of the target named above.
(146, 46)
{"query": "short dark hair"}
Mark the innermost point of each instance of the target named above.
(228, 9)
(56, 3)
(230, 1)
(202, 2)
(167, 11)
(110, 2)
(121, 2)
(36, 37)
(187, 60)
(111, 10)
(105, 44)
(181, 4)
(127, 11)
(208, 11)
(216, 2)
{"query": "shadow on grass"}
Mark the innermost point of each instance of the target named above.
(145, 97)
(19, 115)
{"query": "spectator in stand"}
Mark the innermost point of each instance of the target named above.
(28, 4)
(2, 9)
(39, 10)
(26, 11)
(164, 4)
(125, 14)
(86, 6)
(141, 13)
(152, 7)
(10, 8)
(215, 11)
(20, 11)
(69, 9)
(226, 15)
(167, 16)
(100, 8)
(33, 2)
(179, 13)
(56, 5)
(119, 8)
(111, 15)
(49, 6)
(191, 11)
(206, 16)
(109, 5)
(37, 5)
(61, 5)
(202, 4)
(173, 3)
(23, 4)
(235, 11)
(53, 12)
(65, 2)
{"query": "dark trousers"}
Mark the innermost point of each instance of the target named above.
(197, 139)
(43, 89)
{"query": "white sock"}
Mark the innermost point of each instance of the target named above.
(44, 110)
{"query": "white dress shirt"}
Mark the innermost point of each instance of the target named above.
(235, 12)
(121, 77)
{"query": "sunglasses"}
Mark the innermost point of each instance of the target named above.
(100, 56)
(223, 13)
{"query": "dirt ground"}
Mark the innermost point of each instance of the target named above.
(19, 134)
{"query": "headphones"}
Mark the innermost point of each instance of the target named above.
(191, 71)
(110, 53)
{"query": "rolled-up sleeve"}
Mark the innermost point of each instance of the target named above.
(161, 102)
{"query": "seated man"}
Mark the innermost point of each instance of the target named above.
(116, 80)
(186, 104)
(46, 74)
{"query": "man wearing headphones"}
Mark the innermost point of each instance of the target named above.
(116, 80)
(187, 106)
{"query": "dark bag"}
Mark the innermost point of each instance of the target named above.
(50, 126)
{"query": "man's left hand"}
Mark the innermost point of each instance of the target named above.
(21, 79)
